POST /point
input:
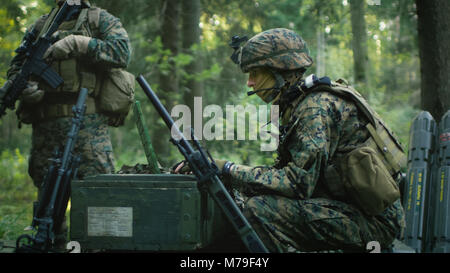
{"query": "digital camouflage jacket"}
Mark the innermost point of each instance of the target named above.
(290, 205)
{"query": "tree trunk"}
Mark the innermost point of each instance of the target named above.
(169, 38)
(321, 44)
(434, 51)
(359, 42)
(168, 83)
(191, 36)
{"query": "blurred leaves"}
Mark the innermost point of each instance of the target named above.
(393, 60)
(393, 90)
(15, 184)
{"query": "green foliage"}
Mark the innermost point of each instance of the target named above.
(17, 194)
(13, 219)
(15, 184)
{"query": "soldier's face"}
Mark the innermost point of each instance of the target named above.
(261, 78)
(251, 80)
(258, 77)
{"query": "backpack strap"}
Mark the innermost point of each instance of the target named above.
(343, 87)
(347, 92)
(81, 19)
(390, 154)
(43, 23)
(381, 137)
(93, 16)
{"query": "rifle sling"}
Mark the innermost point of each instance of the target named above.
(48, 22)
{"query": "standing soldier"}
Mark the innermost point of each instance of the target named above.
(87, 47)
(334, 185)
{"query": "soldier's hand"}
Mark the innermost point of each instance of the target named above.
(32, 94)
(68, 47)
(220, 163)
(181, 168)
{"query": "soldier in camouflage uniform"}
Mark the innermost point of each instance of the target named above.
(291, 205)
(87, 46)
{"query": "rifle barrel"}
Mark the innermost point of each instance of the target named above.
(164, 114)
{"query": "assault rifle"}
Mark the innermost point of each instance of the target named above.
(51, 206)
(207, 174)
(33, 51)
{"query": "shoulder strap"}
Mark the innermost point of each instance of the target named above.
(85, 15)
(81, 19)
(382, 136)
(341, 89)
(94, 17)
(44, 25)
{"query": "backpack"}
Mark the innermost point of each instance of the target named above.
(368, 173)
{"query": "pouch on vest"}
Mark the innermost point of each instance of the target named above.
(116, 95)
(367, 181)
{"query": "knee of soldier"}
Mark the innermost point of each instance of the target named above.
(256, 207)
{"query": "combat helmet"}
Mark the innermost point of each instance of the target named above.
(279, 49)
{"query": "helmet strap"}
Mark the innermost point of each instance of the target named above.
(280, 81)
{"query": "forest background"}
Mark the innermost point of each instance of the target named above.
(181, 47)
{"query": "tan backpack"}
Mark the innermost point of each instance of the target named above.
(369, 172)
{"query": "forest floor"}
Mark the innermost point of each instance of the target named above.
(14, 218)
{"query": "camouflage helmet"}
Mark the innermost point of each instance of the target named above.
(279, 49)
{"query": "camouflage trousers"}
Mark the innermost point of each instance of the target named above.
(287, 225)
(93, 145)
